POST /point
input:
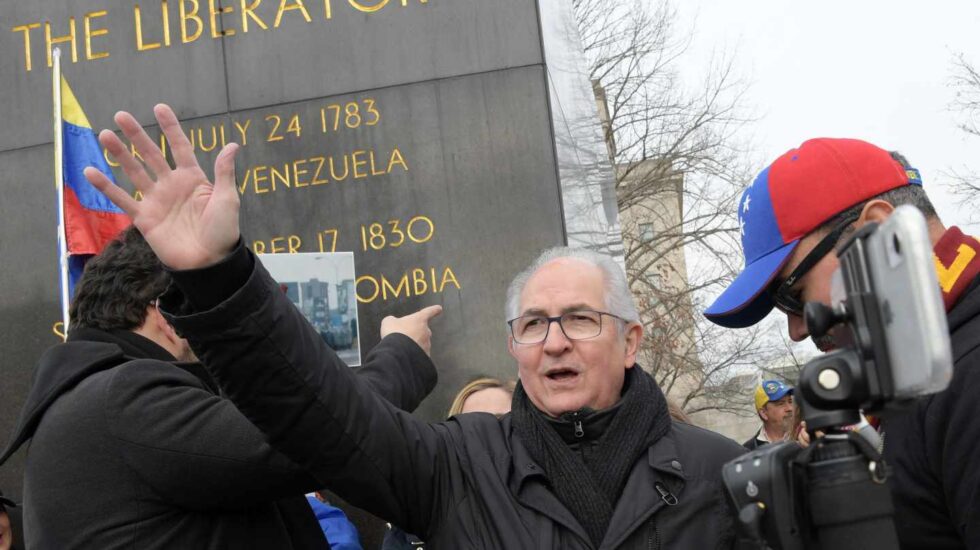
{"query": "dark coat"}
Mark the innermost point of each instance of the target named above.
(468, 482)
(130, 449)
(754, 442)
(934, 449)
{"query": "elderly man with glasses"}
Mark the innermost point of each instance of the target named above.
(588, 458)
(792, 217)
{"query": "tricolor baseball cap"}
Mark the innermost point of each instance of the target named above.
(793, 196)
(770, 390)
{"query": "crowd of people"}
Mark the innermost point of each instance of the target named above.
(192, 405)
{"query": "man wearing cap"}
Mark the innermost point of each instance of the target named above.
(791, 217)
(774, 405)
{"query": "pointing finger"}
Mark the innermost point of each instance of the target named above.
(429, 313)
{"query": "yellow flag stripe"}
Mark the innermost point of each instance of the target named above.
(948, 275)
(71, 111)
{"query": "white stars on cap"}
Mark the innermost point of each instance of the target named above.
(745, 203)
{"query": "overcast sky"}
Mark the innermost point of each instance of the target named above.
(873, 70)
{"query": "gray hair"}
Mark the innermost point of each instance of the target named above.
(619, 299)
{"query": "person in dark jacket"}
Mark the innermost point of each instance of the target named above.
(131, 444)
(796, 210)
(588, 458)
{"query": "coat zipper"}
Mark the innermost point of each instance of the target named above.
(653, 543)
(579, 431)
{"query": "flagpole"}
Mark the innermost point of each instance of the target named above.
(59, 180)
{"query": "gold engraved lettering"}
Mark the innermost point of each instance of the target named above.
(395, 292)
(371, 110)
(396, 231)
(333, 243)
(248, 11)
(373, 171)
(275, 175)
(186, 16)
(26, 29)
(396, 158)
(450, 277)
(312, 171)
(413, 282)
(58, 328)
(327, 9)
(275, 245)
(215, 33)
(418, 278)
(283, 8)
(258, 178)
(243, 131)
(353, 115)
(70, 37)
(165, 12)
(360, 5)
(214, 139)
(298, 173)
(294, 126)
(90, 33)
(373, 296)
(275, 128)
(357, 163)
(141, 46)
(333, 174)
(319, 168)
(412, 230)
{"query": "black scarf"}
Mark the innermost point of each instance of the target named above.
(590, 489)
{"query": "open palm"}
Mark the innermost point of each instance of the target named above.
(187, 221)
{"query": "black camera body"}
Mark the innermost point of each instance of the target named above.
(889, 326)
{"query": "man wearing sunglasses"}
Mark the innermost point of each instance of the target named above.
(791, 218)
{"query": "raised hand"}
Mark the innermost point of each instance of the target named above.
(415, 326)
(187, 221)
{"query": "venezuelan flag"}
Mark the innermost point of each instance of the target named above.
(91, 220)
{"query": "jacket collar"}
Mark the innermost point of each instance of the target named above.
(131, 344)
(86, 352)
(136, 346)
(641, 497)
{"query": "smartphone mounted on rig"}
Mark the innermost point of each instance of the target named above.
(888, 323)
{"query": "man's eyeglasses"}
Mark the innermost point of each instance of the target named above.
(576, 325)
(783, 296)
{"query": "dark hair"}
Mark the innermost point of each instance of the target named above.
(913, 195)
(118, 285)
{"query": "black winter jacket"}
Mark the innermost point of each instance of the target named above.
(934, 449)
(130, 449)
(462, 484)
